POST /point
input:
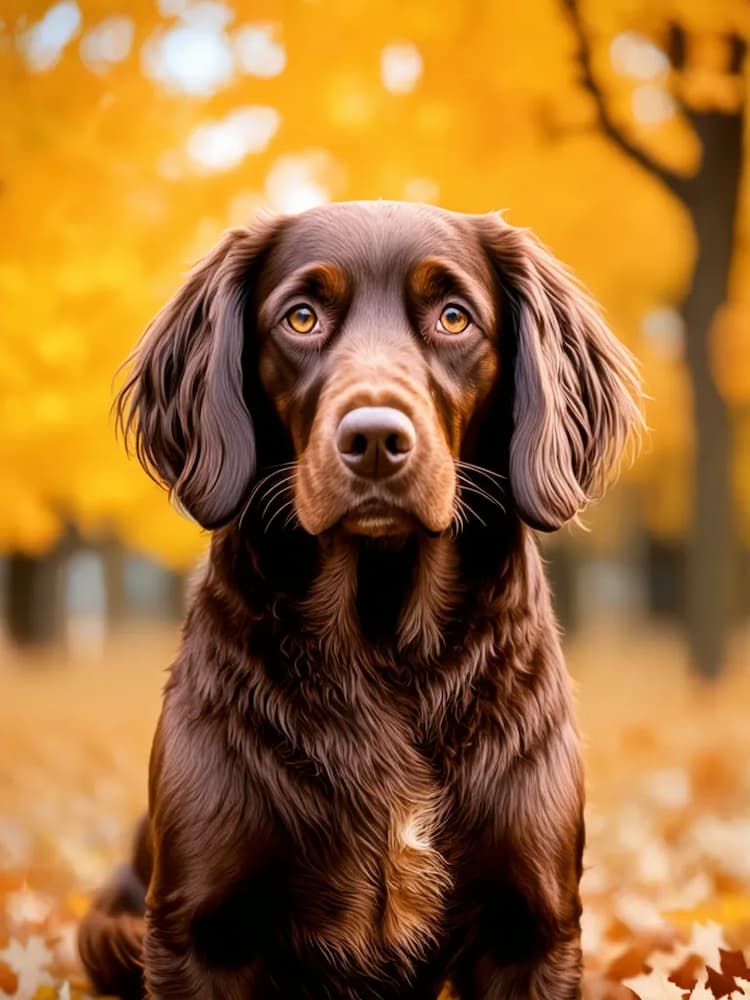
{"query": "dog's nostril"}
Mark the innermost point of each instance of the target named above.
(358, 445)
(396, 444)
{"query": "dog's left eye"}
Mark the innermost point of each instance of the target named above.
(302, 319)
(453, 319)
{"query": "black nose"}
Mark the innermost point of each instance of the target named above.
(375, 441)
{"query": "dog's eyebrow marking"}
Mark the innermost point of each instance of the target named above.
(437, 278)
(327, 283)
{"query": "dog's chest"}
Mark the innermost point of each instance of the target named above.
(372, 879)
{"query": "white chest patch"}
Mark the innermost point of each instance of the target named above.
(392, 895)
(416, 879)
(415, 834)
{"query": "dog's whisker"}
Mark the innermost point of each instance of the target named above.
(471, 487)
(460, 510)
(282, 465)
(467, 481)
(291, 518)
(281, 474)
(276, 492)
(277, 512)
(464, 477)
(459, 515)
(266, 481)
(471, 510)
(256, 489)
(481, 470)
(270, 477)
(244, 511)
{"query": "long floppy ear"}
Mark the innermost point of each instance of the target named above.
(577, 393)
(182, 405)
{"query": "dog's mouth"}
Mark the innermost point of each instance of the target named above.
(378, 519)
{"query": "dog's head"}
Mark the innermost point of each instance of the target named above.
(386, 346)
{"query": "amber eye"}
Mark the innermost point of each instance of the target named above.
(453, 319)
(302, 319)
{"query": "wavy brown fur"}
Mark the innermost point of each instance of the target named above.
(366, 780)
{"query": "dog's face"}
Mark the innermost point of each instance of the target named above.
(377, 337)
(377, 332)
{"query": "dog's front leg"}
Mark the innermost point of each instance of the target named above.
(554, 976)
(527, 936)
(206, 911)
(174, 967)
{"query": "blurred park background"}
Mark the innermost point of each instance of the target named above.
(132, 134)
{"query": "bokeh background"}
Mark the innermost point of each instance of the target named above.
(131, 135)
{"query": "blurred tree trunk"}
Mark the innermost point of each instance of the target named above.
(113, 558)
(665, 577)
(710, 197)
(34, 606)
(176, 594)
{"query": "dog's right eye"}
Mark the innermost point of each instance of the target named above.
(302, 319)
(453, 320)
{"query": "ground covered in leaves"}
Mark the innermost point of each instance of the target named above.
(667, 882)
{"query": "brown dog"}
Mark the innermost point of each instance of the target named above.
(366, 782)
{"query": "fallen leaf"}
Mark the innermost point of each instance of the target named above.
(707, 941)
(29, 962)
(25, 906)
(700, 992)
(720, 984)
(733, 964)
(654, 986)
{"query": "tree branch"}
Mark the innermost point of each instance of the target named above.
(674, 182)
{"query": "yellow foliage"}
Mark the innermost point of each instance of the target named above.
(729, 909)
(477, 107)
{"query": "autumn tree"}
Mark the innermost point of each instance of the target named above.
(130, 139)
(711, 97)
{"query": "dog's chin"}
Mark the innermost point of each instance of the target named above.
(379, 520)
